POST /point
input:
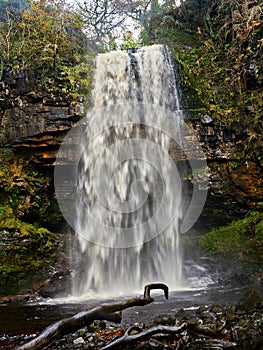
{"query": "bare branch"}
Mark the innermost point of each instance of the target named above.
(142, 335)
(151, 286)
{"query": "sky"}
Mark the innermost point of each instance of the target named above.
(130, 25)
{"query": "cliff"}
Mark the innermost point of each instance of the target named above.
(34, 123)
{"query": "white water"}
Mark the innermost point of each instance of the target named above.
(129, 215)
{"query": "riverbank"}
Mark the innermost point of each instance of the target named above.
(235, 323)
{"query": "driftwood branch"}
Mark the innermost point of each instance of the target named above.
(149, 287)
(82, 319)
(127, 338)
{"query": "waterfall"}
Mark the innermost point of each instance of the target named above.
(131, 201)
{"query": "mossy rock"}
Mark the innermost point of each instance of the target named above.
(242, 239)
(28, 191)
(26, 253)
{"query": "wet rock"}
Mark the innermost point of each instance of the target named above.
(5, 299)
(146, 346)
(217, 309)
(201, 309)
(250, 301)
(56, 284)
(166, 320)
(208, 317)
(79, 340)
(214, 327)
(230, 314)
(155, 344)
(97, 325)
(38, 122)
(182, 315)
(16, 298)
(83, 332)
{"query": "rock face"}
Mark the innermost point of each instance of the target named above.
(34, 121)
(232, 181)
(40, 128)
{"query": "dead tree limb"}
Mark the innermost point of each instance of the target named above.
(191, 327)
(149, 287)
(127, 338)
(84, 318)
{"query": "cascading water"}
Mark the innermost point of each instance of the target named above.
(130, 201)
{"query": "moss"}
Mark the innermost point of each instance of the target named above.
(28, 191)
(259, 230)
(241, 238)
(26, 252)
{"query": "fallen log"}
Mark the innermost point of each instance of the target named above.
(84, 318)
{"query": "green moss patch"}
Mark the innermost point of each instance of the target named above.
(28, 191)
(25, 254)
(242, 238)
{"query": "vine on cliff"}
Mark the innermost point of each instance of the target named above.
(219, 46)
(42, 42)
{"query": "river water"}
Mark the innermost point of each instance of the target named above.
(30, 317)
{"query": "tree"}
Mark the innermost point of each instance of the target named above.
(13, 6)
(44, 33)
(102, 18)
(235, 20)
(8, 34)
(42, 42)
(10, 13)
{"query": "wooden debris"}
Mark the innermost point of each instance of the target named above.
(82, 319)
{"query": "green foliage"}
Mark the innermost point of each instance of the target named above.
(239, 238)
(43, 43)
(129, 42)
(219, 47)
(82, 74)
(24, 189)
(18, 185)
(25, 250)
(259, 231)
(15, 6)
